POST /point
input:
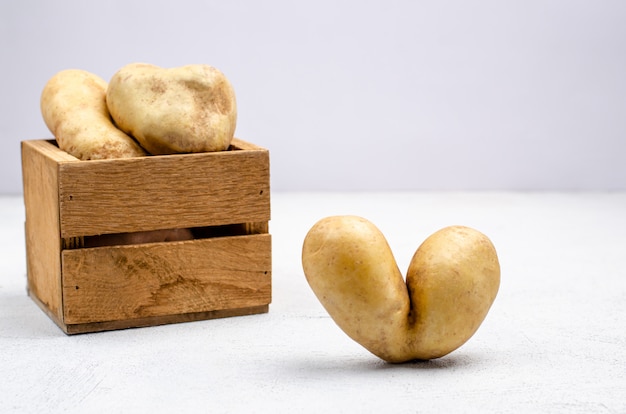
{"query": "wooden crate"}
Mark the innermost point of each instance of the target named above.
(225, 270)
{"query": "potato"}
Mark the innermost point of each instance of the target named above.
(452, 281)
(74, 109)
(152, 236)
(186, 109)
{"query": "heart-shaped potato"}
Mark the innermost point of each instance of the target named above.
(452, 281)
(178, 110)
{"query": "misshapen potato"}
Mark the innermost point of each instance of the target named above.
(451, 283)
(353, 273)
(186, 109)
(74, 109)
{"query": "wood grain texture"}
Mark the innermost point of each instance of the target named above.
(48, 148)
(160, 192)
(40, 162)
(224, 196)
(142, 281)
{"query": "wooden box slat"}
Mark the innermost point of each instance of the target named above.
(139, 281)
(150, 193)
(43, 263)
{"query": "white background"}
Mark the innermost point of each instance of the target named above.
(361, 95)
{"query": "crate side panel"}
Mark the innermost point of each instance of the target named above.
(238, 143)
(150, 193)
(43, 242)
(141, 281)
(49, 149)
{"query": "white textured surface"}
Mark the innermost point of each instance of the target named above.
(554, 341)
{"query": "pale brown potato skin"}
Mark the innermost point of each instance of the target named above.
(453, 278)
(74, 109)
(178, 110)
(452, 282)
(154, 236)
